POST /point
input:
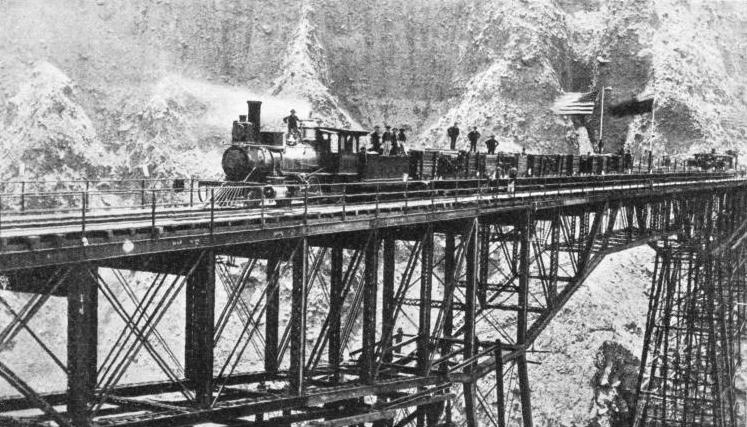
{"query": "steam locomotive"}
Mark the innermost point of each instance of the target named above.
(280, 164)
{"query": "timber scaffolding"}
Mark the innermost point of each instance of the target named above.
(431, 300)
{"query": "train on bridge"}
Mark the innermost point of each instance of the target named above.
(319, 157)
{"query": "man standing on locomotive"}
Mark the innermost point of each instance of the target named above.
(453, 134)
(473, 137)
(292, 121)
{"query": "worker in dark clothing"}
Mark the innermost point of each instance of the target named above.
(453, 134)
(292, 122)
(628, 162)
(491, 143)
(395, 150)
(473, 137)
(401, 140)
(376, 140)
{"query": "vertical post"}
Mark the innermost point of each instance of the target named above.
(23, 196)
(272, 312)
(152, 214)
(83, 209)
(298, 319)
(212, 211)
(368, 365)
(142, 193)
(387, 299)
(344, 201)
(191, 191)
(335, 312)
(521, 328)
(471, 242)
(200, 314)
(82, 330)
(426, 284)
(500, 398)
(554, 259)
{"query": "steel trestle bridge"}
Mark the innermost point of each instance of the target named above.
(431, 298)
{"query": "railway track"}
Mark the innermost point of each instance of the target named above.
(102, 221)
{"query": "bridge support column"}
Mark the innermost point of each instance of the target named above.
(426, 285)
(387, 299)
(371, 273)
(521, 327)
(482, 293)
(297, 372)
(450, 285)
(272, 313)
(200, 320)
(335, 312)
(471, 242)
(424, 319)
(500, 398)
(82, 330)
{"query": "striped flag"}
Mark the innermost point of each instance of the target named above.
(576, 103)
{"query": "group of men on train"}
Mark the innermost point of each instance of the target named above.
(393, 141)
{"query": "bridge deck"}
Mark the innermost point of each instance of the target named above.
(32, 240)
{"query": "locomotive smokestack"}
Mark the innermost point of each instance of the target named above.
(255, 107)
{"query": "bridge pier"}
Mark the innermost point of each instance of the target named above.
(297, 373)
(371, 281)
(526, 229)
(82, 342)
(199, 330)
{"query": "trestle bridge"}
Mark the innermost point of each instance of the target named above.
(389, 307)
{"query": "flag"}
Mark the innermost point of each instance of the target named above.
(576, 103)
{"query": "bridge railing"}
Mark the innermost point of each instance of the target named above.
(78, 211)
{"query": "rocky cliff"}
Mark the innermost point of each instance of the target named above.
(416, 64)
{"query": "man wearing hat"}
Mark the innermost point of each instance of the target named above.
(387, 138)
(453, 134)
(491, 143)
(292, 121)
(473, 137)
(375, 140)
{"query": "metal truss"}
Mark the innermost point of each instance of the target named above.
(412, 325)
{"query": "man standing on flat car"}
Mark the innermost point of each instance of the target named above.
(387, 140)
(401, 138)
(491, 143)
(473, 137)
(453, 134)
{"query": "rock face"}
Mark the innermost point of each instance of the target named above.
(416, 64)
